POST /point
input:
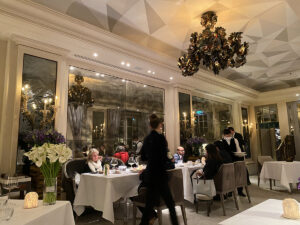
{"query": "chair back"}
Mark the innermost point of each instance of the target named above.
(74, 166)
(261, 159)
(225, 179)
(107, 160)
(240, 173)
(176, 185)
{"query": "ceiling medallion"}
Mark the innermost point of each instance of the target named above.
(212, 47)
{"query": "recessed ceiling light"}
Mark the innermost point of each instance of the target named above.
(97, 74)
(149, 71)
(72, 68)
(102, 75)
(145, 85)
(153, 72)
(128, 64)
(297, 94)
(171, 78)
(123, 80)
(95, 54)
(123, 63)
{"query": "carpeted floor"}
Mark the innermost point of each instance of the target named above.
(258, 194)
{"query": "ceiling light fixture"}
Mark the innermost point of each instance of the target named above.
(297, 95)
(213, 49)
(153, 72)
(128, 64)
(97, 74)
(149, 71)
(123, 80)
(145, 85)
(72, 68)
(171, 78)
(95, 54)
(102, 75)
(122, 63)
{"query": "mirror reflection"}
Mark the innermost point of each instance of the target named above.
(115, 113)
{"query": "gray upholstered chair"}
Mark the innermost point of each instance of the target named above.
(260, 162)
(225, 183)
(176, 186)
(201, 198)
(240, 172)
(70, 168)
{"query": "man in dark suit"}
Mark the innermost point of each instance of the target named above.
(237, 136)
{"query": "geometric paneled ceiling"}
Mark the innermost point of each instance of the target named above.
(272, 28)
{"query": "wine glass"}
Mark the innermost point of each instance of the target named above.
(131, 161)
(114, 163)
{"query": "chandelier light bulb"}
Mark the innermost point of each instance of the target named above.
(46, 101)
(50, 100)
(95, 54)
(122, 63)
(26, 86)
(97, 74)
(71, 68)
(149, 71)
(128, 64)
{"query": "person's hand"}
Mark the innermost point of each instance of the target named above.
(100, 157)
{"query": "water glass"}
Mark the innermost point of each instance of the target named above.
(131, 161)
(114, 163)
(6, 212)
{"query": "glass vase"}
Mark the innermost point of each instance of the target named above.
(50, 191)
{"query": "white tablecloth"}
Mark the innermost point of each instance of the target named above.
(59, 214)
(285, 172)
(187, 184)
(268, 212)
(101, 192)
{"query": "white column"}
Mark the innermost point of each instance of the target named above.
(283, 119)
(62, 97)
(237, 116)
(172, 118)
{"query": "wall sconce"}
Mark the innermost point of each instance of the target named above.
(31, 200)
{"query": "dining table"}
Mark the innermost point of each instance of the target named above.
(101, 191)
(60, 213)
(287, 173)
(268, 212)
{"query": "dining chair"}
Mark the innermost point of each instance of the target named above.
(240, 172)
(176, 186)
(260, 162)
(70, 168)
(201, 198)
(225, 183)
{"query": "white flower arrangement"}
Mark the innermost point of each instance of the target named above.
(49, 157)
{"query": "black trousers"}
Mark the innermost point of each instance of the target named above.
(155, 190)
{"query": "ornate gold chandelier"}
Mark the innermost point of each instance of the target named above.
(213, 49)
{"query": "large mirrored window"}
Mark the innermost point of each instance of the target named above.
(107, 111)
(210, 118)
(37, 109)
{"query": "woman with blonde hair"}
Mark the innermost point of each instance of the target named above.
(94, 161)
